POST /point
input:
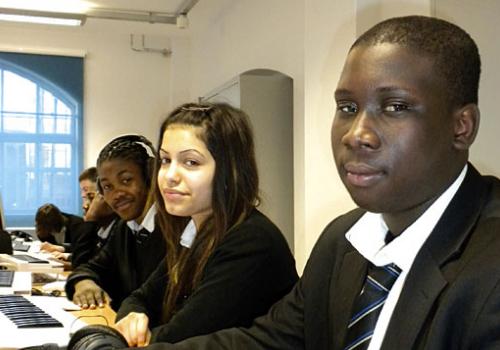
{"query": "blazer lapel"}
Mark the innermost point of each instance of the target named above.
(343, 293)
(422, 287)
(426, 278)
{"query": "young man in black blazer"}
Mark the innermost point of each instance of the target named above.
(406, 116)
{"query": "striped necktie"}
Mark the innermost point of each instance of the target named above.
(368, 304)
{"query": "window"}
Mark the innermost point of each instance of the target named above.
(40, 138)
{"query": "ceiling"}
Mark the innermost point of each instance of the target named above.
(164, 6)
(153, 11)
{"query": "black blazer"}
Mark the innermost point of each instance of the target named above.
(248, 271)
(5, 242)
(450, 299)
(88, 243)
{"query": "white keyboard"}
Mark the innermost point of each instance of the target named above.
(14, 337)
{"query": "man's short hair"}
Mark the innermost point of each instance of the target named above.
(88, 174)
(454, 52)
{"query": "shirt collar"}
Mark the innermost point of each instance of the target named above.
(104, 231)
(368, 233)
(188, 235)
(60, 236)
(147, 223)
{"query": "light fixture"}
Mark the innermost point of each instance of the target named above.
(43, 17)
(59, 15)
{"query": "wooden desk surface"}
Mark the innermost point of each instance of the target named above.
(105, 316)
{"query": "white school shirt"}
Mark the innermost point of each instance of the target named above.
(147, 223)
(103, 232)
(60, 236)
(367, 236)
(188, 235)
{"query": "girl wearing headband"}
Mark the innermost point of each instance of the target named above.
(125, 168)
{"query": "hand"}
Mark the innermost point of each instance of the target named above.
(98, 209)
(134, 327)
(60, 256)
(88, 295)
(49, 247)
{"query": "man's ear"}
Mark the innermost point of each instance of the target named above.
(466, 124)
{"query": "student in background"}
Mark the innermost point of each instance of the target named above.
(5, 240)
(88, 187)
(90, 235)
(406, 117)
(125, 171)
(56, 230)
(99, 220)
(226, 262)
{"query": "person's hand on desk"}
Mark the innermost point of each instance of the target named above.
(49, 247)
(134, 327)
(88, 295)
(61, 256)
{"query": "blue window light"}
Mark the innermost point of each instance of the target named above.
(40, 135)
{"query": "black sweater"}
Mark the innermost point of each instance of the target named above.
(73, 226)
(88, 243)
(250, 270)
(122, 264)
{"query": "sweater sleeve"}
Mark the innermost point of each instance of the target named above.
(250, 270)
(73, 230)
(99, 269)
(85, 243)
(281, 328)
(148, 298)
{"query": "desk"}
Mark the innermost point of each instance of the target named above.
(96, 316)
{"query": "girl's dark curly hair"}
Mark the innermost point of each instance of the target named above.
(134, 148)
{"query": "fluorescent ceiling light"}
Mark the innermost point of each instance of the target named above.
(58, 18)
(67, 6)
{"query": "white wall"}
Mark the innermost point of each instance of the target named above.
(232, 37)
(124, 91)
(329, 31)
(479, 19)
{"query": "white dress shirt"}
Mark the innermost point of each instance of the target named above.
(147, 223)
(104, 231)
(60, 236)
(367, 236)
(187, 237)
(189, 234)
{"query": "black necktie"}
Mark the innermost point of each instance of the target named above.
(368, 304)
(142, 235)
